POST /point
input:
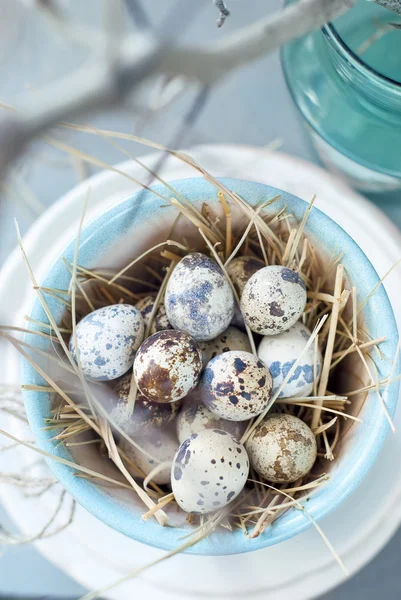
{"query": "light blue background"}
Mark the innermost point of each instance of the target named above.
(251, 107)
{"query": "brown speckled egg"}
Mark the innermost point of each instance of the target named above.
(167, 366)
(194, 417)
(209, 470)
(282, 448)
(146, 415)
(236, 386)
(273, 300)
(145, 307)
(231, 339)
(240, 269)
(199, 298)
(161, 444)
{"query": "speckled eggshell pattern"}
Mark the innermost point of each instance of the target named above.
(282, 448)
(209, 471)
(273, 300)
(231, 339)
(145, 307)
(194, 417)
(199, 298)
(240, 269)
(161, 444)
(107, 340)
(279, 354)
(146, 415)
(167, 366)
(236, 386)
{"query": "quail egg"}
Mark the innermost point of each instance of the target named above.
(230, 339)
(273, 299)
(282, 448)
(107, 340)
(194, 417)
(161, 444)
(198, 298)
(279, 354)
(167, 366)
(240, 269)
(145, 307)
(146, 415)
(209, 470)
(236, 386)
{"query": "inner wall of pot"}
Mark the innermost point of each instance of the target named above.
(132, 244)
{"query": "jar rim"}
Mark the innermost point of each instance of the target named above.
(333, 36)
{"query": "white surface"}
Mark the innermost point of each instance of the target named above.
(300, 568)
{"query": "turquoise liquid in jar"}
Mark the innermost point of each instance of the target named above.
(346, 82)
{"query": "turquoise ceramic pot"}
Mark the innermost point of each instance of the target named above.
(125, 230)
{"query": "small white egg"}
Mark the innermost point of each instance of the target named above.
(273, 300)
(209, 470)
(236, 386)
(240, 269)
(145, 307)
(194, 417)
(282, 448)
(230, 339)
(167, 366)
(146, 415)
(107, 340)
(198, 298)
(161, 444)
(279, 354)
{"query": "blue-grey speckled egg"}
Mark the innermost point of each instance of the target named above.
(167, 366)
(279, 354)
(199, 298)
(160, 444)
(273, 299)
(195, 416)
(145, 307)
(209, 471)
(231, 339)
(236, 386)
(282, 448)
(147, 414)
(107, 340)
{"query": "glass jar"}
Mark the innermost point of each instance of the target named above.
(352, 105)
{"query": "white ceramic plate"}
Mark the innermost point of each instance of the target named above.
(300, 568)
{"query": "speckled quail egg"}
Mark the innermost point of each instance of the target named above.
(209, 471)
(146, 415)
(107, 340)
(282, 448)
(279, 354)
(145, 307)
(230, 339)
(236, 386)
(161, 444)
(273, 300)
(199, 298)
(167, 366)
(240, 269)
(194, 417)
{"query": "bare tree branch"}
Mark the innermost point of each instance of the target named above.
(102, 84)
(224, 12)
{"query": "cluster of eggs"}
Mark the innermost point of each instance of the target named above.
(198, 381)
